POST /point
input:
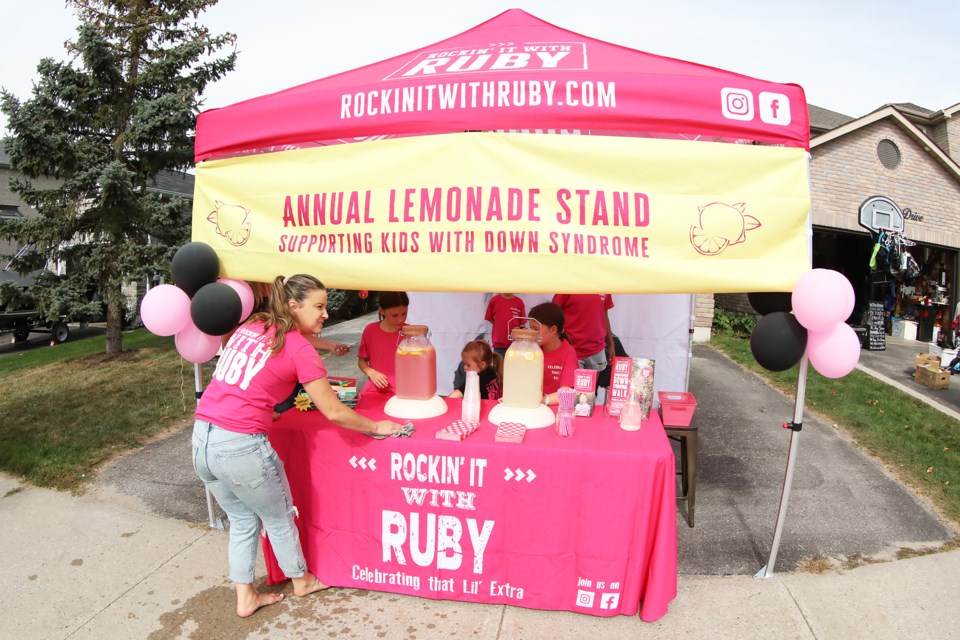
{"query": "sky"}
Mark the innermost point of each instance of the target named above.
(849, 56)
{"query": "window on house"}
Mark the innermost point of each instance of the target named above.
(9, 211)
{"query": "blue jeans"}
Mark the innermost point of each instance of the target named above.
(244, 474)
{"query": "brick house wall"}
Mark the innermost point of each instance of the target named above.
(733, 302)
(703, 317)
(846, 171)
(946, 133)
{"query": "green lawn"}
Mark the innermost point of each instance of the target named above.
(67, 409)
(919, 444)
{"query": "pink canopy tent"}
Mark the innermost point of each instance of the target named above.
(513, 72)
(518, 74)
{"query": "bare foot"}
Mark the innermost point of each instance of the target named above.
(249, 605)
(308, 584)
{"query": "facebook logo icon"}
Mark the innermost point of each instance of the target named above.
(774, 108)
(609, 600)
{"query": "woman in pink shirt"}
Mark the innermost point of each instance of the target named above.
(258, 367)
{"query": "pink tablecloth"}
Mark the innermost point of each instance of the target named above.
(584, 524)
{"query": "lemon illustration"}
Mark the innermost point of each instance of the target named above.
(706, 244)
(721, 225)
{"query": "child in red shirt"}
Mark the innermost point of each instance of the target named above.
(502, 309)
(588, 326)
(559, 358)
(377, 353)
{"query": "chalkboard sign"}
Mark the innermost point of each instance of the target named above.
(876, 332)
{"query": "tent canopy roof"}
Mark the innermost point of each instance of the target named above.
(514, 72)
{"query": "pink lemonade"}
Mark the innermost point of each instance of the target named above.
(416, 374)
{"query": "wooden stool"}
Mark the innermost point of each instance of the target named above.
(687, 437)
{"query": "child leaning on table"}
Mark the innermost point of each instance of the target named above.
(502, 309)
(376, 356)
(478, 356)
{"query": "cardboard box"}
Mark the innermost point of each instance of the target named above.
(585, 385)
(923, 359)
(932, 376)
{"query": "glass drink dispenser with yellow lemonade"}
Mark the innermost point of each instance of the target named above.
(523, 370)
(522, 399)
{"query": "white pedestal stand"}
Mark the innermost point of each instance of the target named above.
(414, 409)
(535, 418)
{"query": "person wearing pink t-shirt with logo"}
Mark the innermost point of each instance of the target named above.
(559, 358)
(260, 364)
(588, 326)
(502, 310)
(377, 354)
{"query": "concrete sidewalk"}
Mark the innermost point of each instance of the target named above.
(134, 557)
(101, 566)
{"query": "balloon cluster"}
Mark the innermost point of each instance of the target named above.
(820, 302)
(199, 307)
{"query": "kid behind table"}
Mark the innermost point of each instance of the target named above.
(502, 309)
(559, 358)
(478, 356)
(376, 356)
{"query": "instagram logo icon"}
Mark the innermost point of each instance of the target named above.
(585, 598)
(736, 104)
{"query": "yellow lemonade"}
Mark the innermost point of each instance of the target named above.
(523, 375)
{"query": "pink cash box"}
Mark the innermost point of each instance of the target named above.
(676, 408)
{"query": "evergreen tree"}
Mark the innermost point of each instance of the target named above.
(106, 123)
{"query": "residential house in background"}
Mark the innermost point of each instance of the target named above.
(167, 183)
(896, 170)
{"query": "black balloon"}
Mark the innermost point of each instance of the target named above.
(216, 308)
(769, 302)
(194, 265)
(778, 341)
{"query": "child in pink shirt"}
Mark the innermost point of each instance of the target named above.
(377, 354)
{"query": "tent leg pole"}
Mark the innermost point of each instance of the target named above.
(212, 520)
(767, 570)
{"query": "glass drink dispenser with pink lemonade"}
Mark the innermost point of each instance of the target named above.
(416, 364)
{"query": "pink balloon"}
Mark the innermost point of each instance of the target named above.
(821, 299)
(165, 309)
(246, 296)
(194, 345)
(834, 353)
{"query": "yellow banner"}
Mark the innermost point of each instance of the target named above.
(513, 212)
